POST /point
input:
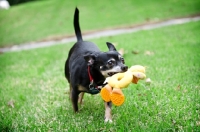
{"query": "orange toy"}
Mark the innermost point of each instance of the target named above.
(112, 91)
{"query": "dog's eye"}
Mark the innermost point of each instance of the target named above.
(110, 62)
(122, 59)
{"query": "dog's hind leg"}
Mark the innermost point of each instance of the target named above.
(74, 98)
(108, 116)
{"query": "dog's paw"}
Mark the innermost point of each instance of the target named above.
(108, 120)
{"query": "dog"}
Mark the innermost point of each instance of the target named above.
(87, 67)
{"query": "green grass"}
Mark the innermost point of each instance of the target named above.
(34, 80)
(43, 20)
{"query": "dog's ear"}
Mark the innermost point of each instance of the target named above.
(111, 47)
(90, 58)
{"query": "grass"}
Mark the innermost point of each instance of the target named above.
(43, 20)
(33, 81)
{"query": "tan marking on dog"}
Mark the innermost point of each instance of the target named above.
(80, 98)
(81, 88)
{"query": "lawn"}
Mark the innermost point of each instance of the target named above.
(50, 19)
(34, 95)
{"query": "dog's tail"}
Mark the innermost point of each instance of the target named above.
(76, 25)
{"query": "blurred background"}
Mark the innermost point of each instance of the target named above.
(43, 20)
(15, 2)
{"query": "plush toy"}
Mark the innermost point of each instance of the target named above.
(112, 91)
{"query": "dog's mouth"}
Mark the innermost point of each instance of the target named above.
(112, 73)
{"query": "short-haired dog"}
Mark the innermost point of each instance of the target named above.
(87, 67)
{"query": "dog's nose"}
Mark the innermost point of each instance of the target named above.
(124, 68)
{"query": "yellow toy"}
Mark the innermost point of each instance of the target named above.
(112, 91)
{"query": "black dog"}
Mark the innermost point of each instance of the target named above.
(87, 67)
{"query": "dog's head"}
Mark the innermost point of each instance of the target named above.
(108, 63)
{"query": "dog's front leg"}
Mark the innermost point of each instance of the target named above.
(80, 98)
(108, 114)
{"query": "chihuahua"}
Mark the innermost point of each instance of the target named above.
(87, 67)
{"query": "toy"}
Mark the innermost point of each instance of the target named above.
(112, 91)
